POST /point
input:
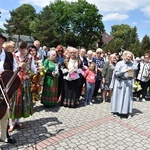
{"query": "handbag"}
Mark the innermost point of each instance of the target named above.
(98, 77)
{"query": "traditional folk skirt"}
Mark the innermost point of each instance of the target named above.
(50, 91)
(21, 102)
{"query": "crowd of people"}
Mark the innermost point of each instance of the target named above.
(67, 75)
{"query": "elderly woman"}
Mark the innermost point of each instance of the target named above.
(99, 61)
(89, 56)
(50, 86)
(143, 76)
(11, 46)
(122, 96)
(71, 79)
(107, 73)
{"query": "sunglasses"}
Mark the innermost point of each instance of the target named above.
(98, 53)
(59, 50)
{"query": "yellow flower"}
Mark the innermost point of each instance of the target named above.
(136, 86)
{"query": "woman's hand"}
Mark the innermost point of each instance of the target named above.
(54, 74)
(22, 64)
(103, 80)
(75, 70)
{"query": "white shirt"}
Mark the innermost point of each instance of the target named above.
(2, 60)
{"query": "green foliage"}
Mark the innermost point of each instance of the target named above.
(86, 22)
(44, 27)
(20, 20)
(145, 45)
(76, 23)
(125, 36)
(2, 30)
(114, 45)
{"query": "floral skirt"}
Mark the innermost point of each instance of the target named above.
(21, 102)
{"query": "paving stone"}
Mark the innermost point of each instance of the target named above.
(82, 146)
(101, 133)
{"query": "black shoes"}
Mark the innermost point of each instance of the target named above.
(11, 140)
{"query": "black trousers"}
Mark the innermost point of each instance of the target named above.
(97, 86)
(143, 91)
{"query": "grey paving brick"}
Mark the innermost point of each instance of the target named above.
(112, 134)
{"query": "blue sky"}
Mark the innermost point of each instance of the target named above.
(131, 12)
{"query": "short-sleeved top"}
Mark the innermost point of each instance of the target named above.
(90, 76)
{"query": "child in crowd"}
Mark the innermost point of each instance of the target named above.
(90, 75)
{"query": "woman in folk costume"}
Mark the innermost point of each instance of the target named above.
(35, 79)
(122, 96)
(71, 79)
(50, 86)
(22, 105)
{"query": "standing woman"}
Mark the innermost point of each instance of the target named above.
(36, 80)
(50, 86)
(143, 76)
(22, 105)
(107, 73)
(99, 61)
(71, 79)
(60, 60)
(122, 96)
(11, 46)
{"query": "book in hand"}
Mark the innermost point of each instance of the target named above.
(130, 73)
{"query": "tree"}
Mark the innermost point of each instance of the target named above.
(125, 36)
(2, 30)
(114, 45)
(79, 20)
(86, 22)
(68, 23)
(45, 28)
(20, 20)
(145, 45)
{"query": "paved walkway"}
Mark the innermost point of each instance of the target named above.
(84, 128)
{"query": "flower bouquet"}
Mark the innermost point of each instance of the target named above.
(136, 86)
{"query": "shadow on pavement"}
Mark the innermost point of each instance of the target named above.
(136, 112)
(47, 109)
(33, 132)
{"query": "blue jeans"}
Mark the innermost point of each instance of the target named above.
(89, 92)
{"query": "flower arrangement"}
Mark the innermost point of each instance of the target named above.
(40, 67)
(136, 86)
(42, 70)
